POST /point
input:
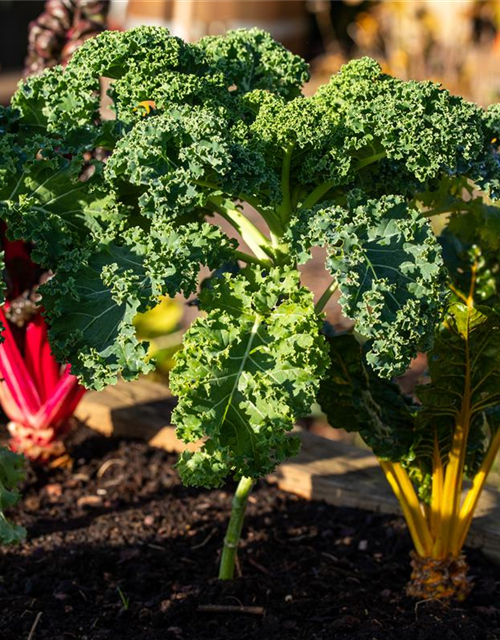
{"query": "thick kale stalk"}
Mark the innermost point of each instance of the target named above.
(232, 538)
(204, 131)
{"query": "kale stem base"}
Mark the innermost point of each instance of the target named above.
(233, 533)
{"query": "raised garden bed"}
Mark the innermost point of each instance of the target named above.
(118, 548)
(335, 472)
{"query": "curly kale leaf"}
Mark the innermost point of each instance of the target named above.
(148, 63)
(49, 204)
(147, 50)
(175, 162)
(248, 370)
(369, 131)
(11, 474)
(91, 302)
(251, 59)
(355, 399)
(388, 266)
(59, 101)
(419, 125)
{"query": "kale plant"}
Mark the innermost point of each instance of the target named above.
(207, 131)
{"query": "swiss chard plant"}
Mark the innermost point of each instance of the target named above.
(214, 131)
(37, 394)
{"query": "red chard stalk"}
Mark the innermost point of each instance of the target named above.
(38, 395)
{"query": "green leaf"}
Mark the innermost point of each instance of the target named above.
(49, 204)
(464, 363)
(251, 59)
(247, 372)
(465, 371)
(59, 101)
(12, 472)
(93, 299)
(388, 265)
(175, 162)
(420, 126)
(148, 50)
(355, 399)
(471, 267)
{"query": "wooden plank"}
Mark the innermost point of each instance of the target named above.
(8, 85)
(343, 475)
(335, 472)
(139, 409)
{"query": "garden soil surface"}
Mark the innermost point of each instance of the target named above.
(118, 550)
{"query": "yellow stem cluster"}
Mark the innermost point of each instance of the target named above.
(439, 530)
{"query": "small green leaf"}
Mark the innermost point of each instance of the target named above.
(12, 472)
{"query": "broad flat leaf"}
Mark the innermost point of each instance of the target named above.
(248, 370)
(355, 399)
(11, 474)
(465, 362)
(462, 257)
(92, 301)
(388, 265)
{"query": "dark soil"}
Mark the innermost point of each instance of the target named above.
(119, 550)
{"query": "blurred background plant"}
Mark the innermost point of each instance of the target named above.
(162, 327)
(60, 29)
(457, 43)
(446, 42)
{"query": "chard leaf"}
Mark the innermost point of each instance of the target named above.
(469, 263)
(11, 474)
(464, 366)
(95, 295)
(248, 370)
(388, 265)
(465, 372)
